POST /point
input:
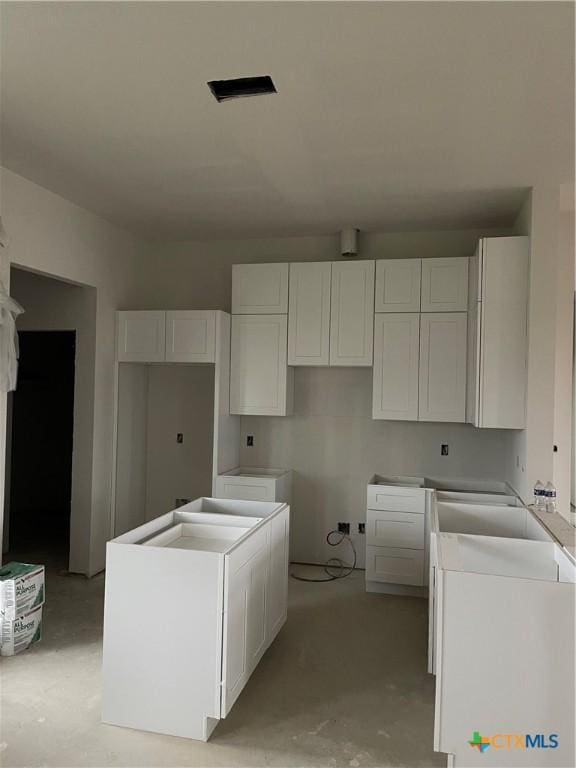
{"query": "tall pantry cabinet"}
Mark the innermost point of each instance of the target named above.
(498, 333)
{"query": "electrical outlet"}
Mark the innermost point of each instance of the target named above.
(344, 528)
(249, 440)
(361, 528)
(444, 449)
(180, 437)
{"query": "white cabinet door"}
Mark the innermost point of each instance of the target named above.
(445, 285)
(191, 336)
(141, 337)
(351, 313)
(398, 285)
(278, 574)
(442, 395)
(394, 565)
(395, 375)
(395, 529)
(245, 618)
(309, 316)
(259, 289)
(260, 381)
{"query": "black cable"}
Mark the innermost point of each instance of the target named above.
(334, 562)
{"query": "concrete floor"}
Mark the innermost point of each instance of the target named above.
(345, 684)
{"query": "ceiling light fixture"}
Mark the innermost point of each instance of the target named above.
(349, 241)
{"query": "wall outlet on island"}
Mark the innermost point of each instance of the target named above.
(250, 441)
(444, 449)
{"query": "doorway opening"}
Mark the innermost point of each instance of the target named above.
(50, 425)
(42, 423)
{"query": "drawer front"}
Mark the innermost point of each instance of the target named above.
(395, 529)
(391, 565)
(396, 499)
(247, 490)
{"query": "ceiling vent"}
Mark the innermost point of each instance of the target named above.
(224, 90)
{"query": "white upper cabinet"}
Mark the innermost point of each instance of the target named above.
(444, 285)
(141, 337)
(352, 313)
(260, 380)
(398, 285)
(260, 289)
(498, 310)
(309, 315)
(395, 377)
(442, 393)
(191, 336)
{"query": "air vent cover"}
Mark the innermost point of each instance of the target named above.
(224, 90)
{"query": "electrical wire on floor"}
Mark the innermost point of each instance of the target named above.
(334, 562)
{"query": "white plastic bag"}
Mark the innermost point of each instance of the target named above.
(9, 311)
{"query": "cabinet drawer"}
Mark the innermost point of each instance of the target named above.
(395, 529)
(396, 499)
(245, 488)
(391, 565)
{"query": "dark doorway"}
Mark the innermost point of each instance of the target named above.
(41, 456)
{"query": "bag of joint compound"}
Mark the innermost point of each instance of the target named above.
(18, 635)
(21, 589)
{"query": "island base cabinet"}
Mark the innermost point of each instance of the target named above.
(255, 605)
(188, 619)
(154, 635)
(245, 635)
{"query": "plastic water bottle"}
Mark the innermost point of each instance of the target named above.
(539, 498)
(550, 496)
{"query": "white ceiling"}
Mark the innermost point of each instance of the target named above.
(388, 115)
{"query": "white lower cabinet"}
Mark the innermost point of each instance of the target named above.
(477, 515)
(504, 634)
(442, 393)
(254, 484)
(396, 531)
(193, 600)
(261, 383)
(394, 565)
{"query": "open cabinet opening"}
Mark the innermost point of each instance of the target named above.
(164, 439)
